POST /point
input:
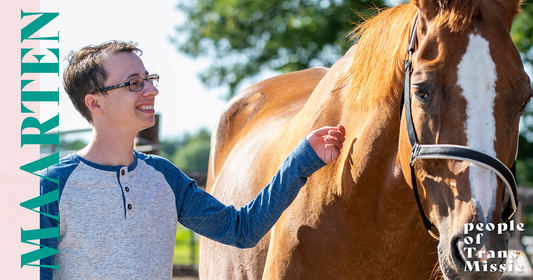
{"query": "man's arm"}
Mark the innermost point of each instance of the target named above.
(52, 209)
(243, 228)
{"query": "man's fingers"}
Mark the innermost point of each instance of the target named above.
(335, 152)
(337, 134)
(327, 142)
(333, 141)
(332, 148)
(341, 129)
(323, 131)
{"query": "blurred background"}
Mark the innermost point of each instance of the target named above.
(208, 50)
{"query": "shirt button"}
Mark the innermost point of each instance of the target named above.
(123, 172)
(127, 189)
(129, 206)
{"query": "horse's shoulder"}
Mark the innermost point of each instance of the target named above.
(261, 108)
(281, 94)
(276, 90)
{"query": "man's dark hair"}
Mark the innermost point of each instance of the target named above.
(85, 72)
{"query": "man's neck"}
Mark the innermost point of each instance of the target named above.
(111, 148)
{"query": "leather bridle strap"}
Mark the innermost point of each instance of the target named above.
(466, 154)
(455, 152)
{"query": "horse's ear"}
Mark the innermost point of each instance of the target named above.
(428, 8)
(511, 8)
(514, 6)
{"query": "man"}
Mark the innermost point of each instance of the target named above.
(118, 208)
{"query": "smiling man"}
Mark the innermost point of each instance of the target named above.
(118, 208)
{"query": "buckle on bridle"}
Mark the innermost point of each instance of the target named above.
(415, 152)
(511, 215)
(408, 62)
(431, 232)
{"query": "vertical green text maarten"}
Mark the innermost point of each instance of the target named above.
(33, 129)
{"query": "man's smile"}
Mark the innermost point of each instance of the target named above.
(145, 107)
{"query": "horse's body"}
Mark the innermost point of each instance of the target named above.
(238, 139)
(355, 218)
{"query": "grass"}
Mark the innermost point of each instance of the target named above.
(183, 249)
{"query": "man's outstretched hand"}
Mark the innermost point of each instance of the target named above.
(327, 142)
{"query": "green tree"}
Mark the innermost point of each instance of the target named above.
(168, 147)
(193, 154)
(522, 31)
(522, 35)
(245, 37)
(73, 145)
(524, 163)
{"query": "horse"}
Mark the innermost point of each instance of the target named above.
(360, 217)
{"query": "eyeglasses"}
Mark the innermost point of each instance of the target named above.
(135, 84)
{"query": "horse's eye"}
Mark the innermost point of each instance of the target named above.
(527, 101)
(421, 94)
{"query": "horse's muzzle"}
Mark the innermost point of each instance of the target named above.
(476, 255)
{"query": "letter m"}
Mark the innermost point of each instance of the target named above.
(472, 267)
(43, 233)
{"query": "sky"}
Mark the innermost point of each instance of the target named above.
(183, 103)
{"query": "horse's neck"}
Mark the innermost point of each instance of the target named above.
(367, 167)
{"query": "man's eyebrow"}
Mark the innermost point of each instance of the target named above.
(137, 75)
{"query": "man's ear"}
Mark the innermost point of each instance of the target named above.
(92, 102)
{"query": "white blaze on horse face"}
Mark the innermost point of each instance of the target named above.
(477, 78)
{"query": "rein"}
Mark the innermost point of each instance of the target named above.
(456, 152)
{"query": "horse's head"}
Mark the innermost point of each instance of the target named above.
(468, 88)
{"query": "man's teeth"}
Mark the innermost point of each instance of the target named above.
(146, 107)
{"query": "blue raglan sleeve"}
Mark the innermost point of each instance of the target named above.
(53, 179)
(50, 220)
(243, 228)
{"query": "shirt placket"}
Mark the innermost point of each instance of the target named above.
(126, 190)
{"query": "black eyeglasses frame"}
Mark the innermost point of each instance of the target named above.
(150, 79)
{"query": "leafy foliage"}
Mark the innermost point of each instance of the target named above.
(524, 163)
(191, 153)
(72, 145)
(522, 31)
(245, 37)
(522, 35)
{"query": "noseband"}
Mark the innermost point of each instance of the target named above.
(455, 152)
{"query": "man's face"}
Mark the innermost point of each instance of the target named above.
(122, 108)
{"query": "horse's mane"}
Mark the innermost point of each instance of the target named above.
(457, 15)
(377, 71)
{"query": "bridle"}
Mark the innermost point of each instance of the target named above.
(456, 152)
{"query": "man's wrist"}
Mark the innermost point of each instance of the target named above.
(310, 161)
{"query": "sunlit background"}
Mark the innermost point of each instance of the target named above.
(188, 109)
(184, 104)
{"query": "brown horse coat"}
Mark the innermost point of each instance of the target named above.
(357, 218)
(328, 209)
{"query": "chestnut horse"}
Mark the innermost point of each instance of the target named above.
(357, 218)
